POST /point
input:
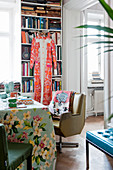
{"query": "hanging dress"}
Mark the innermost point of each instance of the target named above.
(42, 54)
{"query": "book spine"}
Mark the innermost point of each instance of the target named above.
(25, 85)
(57, 53)
(23, 37)
(60, 85)
(38, 23)
(23, 69)
(46, 23)
(27, 68)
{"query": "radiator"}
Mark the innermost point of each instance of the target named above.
(98, 101)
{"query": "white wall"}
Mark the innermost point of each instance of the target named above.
(71, 53)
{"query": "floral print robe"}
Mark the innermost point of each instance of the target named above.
(42, 54)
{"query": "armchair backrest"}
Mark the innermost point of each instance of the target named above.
(72, 123)
(3, 149)
(77, 103)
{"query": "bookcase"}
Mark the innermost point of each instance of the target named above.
(45, 16)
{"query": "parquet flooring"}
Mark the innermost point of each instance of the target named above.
(75, 158)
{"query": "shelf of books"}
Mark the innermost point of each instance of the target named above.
(36, 15)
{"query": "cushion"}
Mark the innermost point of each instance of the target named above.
(56, 123)
(102, 138)
(60, 102)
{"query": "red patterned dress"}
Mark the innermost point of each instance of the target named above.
(42, 52)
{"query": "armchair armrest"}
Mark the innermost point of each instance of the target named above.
(65, 116)
(74, 120)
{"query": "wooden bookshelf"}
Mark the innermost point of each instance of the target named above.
(51, 17)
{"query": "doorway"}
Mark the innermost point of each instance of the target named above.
(94, 60)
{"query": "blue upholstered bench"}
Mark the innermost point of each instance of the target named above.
(101, 139)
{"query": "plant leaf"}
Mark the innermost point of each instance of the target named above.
(106, 46)
(108, 9)
(98, 27)
(96, 35)
(106, 51)
(110, 117)
(98, 42)
(103, 42)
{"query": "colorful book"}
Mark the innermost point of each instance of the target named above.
(23, 37)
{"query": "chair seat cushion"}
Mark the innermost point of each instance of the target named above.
(103, 139)
(56, 123)
(17, 153)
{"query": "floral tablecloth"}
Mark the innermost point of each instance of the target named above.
(33, 126)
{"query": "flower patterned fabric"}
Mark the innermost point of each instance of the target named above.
(60, 102)
(33, 126)
(42, 54)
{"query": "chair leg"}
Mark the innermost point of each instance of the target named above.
(69, 145)
(87, 155)
(61, 144)
(29, 162)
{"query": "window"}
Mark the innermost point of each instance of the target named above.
(95, 56)
(5, 45)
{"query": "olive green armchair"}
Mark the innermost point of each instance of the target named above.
(71, 123)
(13, 154)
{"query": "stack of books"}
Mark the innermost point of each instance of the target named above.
(26, 71)
(96, 79)
(28, 86)
(54, 3)
(17, 87)
(56, 85)
(26, 37)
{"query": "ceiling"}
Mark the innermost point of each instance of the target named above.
(79, 4)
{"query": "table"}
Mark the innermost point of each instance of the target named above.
(34, 125)
(101, 139)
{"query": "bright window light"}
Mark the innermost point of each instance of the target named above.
(95, 51)
(4, 57)
(5, 46)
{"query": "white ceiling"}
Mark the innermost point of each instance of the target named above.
(79, 4)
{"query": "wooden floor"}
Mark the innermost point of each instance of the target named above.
(75, 158)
